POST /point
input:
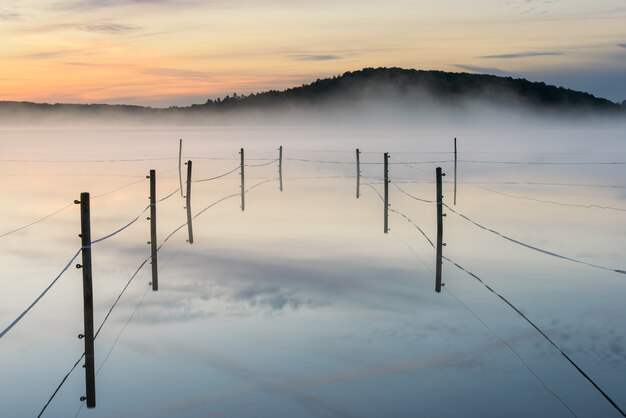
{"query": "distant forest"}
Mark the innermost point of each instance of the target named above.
(408, 88)
(439, 85)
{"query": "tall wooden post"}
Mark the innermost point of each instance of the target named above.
(188, 203)
(455, 171)
(88, 336)
(280, 166)
(386, 213)
(439, 260)
(180, 169)
(243, 191)
(153, 232)
(358, 173)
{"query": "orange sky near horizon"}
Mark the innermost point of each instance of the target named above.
(166, 52)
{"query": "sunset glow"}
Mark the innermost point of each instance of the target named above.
(164, 52)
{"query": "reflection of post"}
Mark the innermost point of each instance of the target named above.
(243, 192)
(358, 173)
(439, 261)
(153, 232)
(180, 169)
(188, 206)
(280, 166)
(85, 234)
(386, 192)
(455, 171)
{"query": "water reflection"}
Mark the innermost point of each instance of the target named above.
(300, 306)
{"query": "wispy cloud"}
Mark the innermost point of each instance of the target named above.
(523, 55)
(113, 28)
(315, 57)
(482, 70)
(9, 16)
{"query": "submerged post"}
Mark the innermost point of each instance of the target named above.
(386, 213)
(153, 232)
(439, 260)
(358, 173)
(188, 203)
(180, 169)
(280, 166)
(243, 191)
(88, 336)
(455, 171)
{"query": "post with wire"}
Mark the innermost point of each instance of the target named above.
(188, 203)
(153, 231)
(88, 333)
(358, 173)
(243, 191)
(280, 166)
(386, 209)
(440, 242)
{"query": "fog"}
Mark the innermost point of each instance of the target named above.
(301, 305)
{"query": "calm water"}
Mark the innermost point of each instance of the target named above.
(301, 306)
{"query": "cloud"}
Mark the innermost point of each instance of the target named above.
(113, 28)
(315, 57)
(522, 55)
(482, 70)
(9, 16)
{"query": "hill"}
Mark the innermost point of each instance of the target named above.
(410, 89)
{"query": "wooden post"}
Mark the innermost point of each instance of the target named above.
(180, 169)
(153, 232)
(280, 166)
(358, 173)
(188, 203)
(243, 191)
(439, 260)
(88, 336)
(455, 171)
(386, 221)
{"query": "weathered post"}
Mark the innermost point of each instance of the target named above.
(280, 166)
(455, 171)
(439, 260)
(180, 169)
(386, 213)
(188, 203)
(358, 173)
(88, 335)
(153, 232)
(243, 191)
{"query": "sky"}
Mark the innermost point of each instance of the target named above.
(179, 52)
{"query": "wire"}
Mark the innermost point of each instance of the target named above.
(551, 202)
(64, 208)
(569, 359)
(169, 195)
(410, 195)
(510, 347)
(90, 161)
(217, 177)
(112, 234)
(20, 316)
(415, 225)
(544, 162)
(262, 164)
(37, 221)
(550, 253)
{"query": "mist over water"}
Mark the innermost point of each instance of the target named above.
(301, 306)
